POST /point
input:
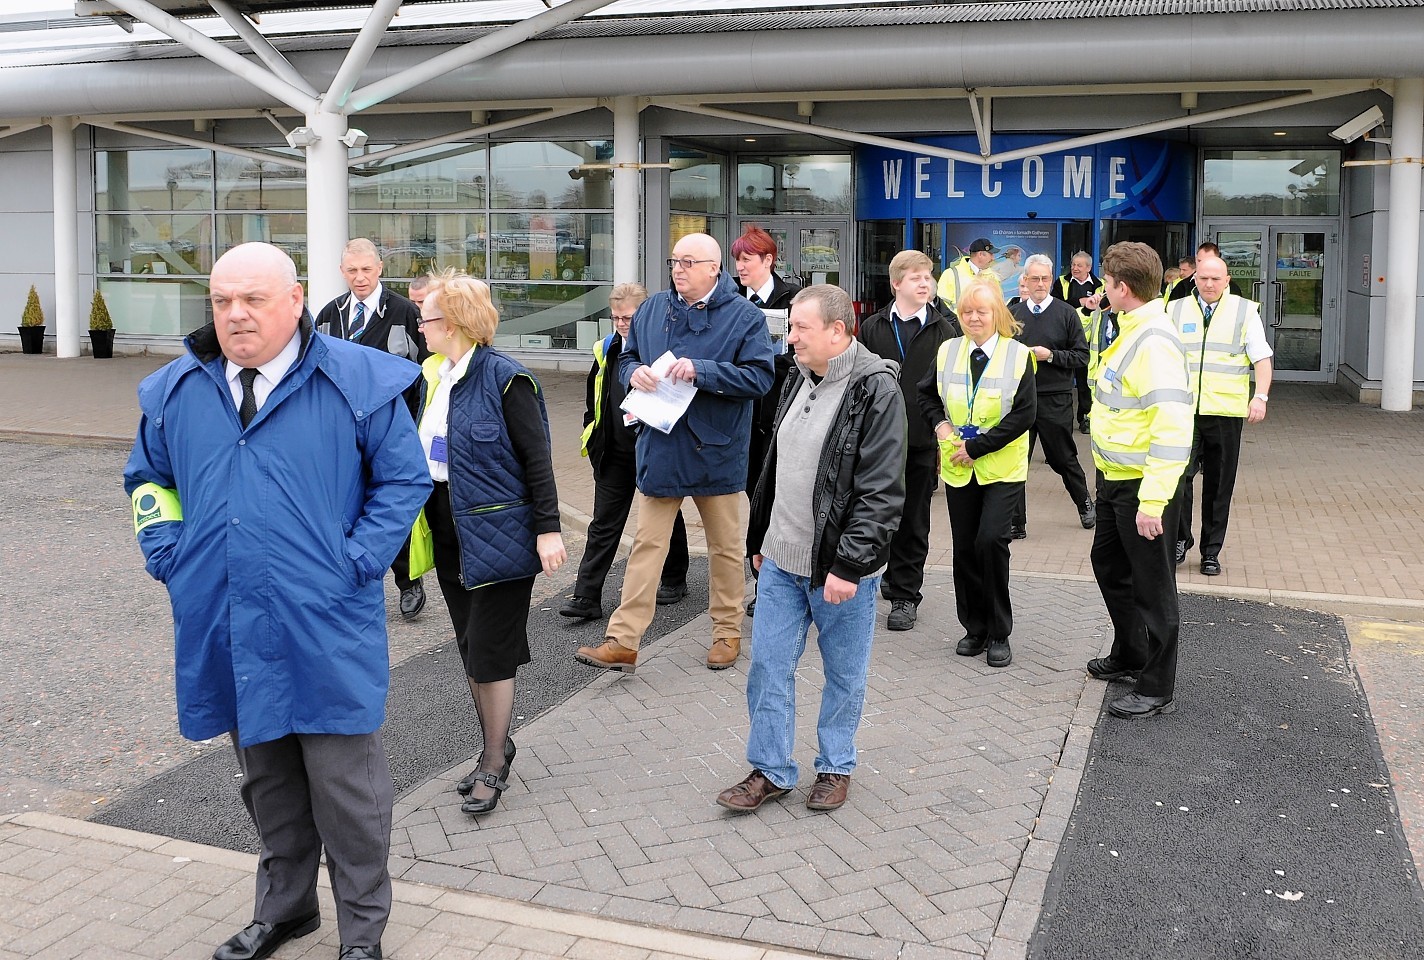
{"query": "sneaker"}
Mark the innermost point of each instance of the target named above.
(903, 614)
(581, 608)
(751, 608)
(1083, 426)
(1088, 515)
(669, 593)
(1018, 532)
(1181, 551)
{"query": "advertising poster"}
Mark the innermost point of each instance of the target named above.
(1014, 242)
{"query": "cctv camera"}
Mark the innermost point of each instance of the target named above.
(1358, 127)
(355, 139)
(301, 138)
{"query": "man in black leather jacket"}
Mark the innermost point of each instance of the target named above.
(819, 536)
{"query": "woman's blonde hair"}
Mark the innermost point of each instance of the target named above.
(467, 304)
(989, 292)
(630, 293)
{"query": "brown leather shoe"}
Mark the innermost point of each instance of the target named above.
(609, 656)
(723, 654)
(751, 793)
(828, 792)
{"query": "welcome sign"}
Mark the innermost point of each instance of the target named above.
(1140, 179)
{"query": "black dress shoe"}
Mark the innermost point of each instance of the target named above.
(412, 601)
(464, 787)
(582, 608)
(1018, 532)
(1135, 705)
(1088, 514)
(475, 806)
(999, 653)
(1182, 547)
(259, 939)
(971, 646)
(1105, 668)
(1083, 427)
(1211, 566)
(751, 608)
(359, 953)
(669, 593)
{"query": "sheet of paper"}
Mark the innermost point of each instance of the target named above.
(663, 407)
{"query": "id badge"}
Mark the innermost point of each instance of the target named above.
(1189, 327)
(437, 450)
(968, 432)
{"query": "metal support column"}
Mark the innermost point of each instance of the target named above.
(66, 238)
(1401, 289)
(627, 181)
(328, 203)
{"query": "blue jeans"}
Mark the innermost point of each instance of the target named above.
(786, 607)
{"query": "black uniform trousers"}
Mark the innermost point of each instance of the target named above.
(979, 518)
(1053, 427)
(614, 485)
(1216, 449)
(1084, 391)
(400, 567)
(1138, 580)
(307, 791)
(905, 566)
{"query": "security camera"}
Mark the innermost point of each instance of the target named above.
(1358, 127)
(355, 139)
(301, 138)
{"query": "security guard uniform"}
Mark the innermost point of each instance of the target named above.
(959, 275)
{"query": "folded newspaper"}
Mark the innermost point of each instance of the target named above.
(663, 407)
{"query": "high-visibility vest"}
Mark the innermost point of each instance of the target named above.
(1218, 369)
(959, 275)
(600, 357)
(1095, 333)
(993, 397)
(1142, 407)
(1085, 316)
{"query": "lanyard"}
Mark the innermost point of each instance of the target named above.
(895, 328)
(970, 387)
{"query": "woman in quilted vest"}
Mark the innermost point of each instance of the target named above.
(494, 512)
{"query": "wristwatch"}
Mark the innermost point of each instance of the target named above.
(1262, 397)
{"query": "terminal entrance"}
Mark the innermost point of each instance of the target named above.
(812, 250)
(1292, 271)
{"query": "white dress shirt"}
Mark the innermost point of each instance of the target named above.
(435, 422)
(268, 375)
(373, 308)
(765, 292)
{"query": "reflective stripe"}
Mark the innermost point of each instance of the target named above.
(1120, 457)
(1166, 395)
(1164, 452)
(154, 504)
(1235, 369)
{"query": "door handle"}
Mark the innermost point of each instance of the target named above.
(1256, 286)
(1280, 304)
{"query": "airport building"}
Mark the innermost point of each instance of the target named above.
(554, 150)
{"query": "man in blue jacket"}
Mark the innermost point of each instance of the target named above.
(274, 476)
(722, 347)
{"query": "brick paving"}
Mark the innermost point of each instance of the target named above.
(967, 776)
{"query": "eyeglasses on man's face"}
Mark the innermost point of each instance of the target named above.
(687, 263)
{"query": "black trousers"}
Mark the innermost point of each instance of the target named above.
(1085, 393)
(309, 791)
(1216, 450)
(979, 518)
(1138, 580)
(614, 485)
(1054, 428)
(905, 566)
(400, 567)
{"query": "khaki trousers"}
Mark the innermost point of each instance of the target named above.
(721, 521)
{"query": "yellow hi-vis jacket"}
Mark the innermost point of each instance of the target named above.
(994, 396)
(959, 275)
(1085, 316)
(600, 357)
(1218, 369)
(1142, 407)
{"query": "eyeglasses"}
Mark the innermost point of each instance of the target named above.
(624, 319)
(687, 263)
(424, 320)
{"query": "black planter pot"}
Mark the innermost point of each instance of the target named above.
(101, 342)
(32, 339)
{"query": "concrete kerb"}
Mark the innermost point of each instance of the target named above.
(522, 915)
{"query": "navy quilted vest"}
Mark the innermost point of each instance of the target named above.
(494, 517)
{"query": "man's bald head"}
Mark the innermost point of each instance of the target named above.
(257, 302)
(697, 259)
(1213, 278)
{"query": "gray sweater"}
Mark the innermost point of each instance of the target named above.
(799, 442)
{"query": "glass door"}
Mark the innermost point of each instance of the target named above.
(1292, 272)
(814, 252)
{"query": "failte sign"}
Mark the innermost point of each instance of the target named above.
(1138, 179)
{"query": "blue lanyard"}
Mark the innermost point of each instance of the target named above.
(895, 329)
(970, 386)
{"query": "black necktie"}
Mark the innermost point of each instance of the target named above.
(756, 301)
(248, 410)
(1207, 310)
(978, 360)
(358, 326)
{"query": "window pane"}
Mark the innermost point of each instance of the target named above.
(285, 230)
(548, 315)
(1283, 183)
(245, 184)
(157, 243)
(549, 246)
(448, 176)
(171, 307)
(411, 244)
(809, 183)
(545, 174)
(695, 183)
(153, 179)
(879, 241)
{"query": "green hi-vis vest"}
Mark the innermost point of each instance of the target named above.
(600, 357)
(1085, 317)
(1218, 370)
(998, 385)
(959, 275)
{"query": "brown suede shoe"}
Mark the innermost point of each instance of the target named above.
(609, 656)
(723, 654)
(828, 792)
(751, 793)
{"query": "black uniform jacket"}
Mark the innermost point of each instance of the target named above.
(764, 410)
(1059, 329)
(877, 332)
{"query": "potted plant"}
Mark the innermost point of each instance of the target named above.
(32, 325)
(101, 328)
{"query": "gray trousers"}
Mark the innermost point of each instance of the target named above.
(309, 791)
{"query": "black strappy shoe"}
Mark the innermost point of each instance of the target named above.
(464, 787)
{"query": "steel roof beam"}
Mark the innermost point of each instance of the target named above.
(482, 131)
(261, 46)
(182, 141)
(362, 49)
